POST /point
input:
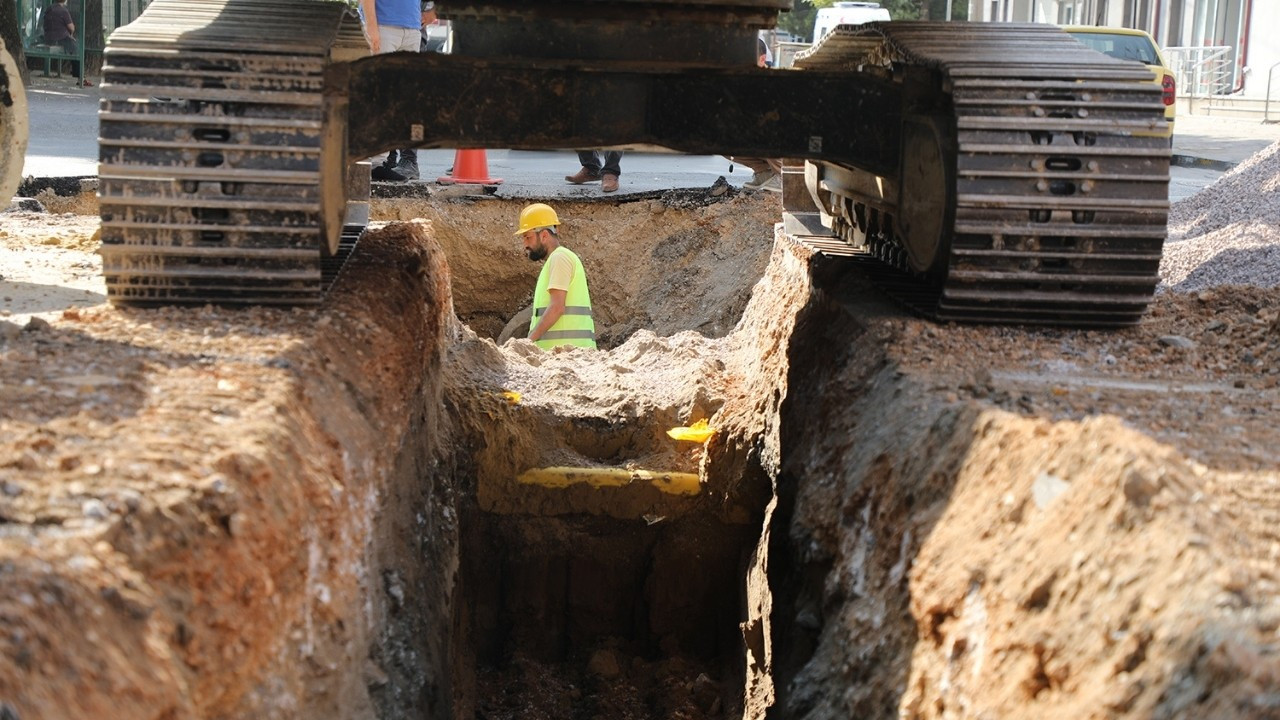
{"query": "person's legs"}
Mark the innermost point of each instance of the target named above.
(766, 173)
(400, 165)
(393, 38)
(590, 159)
(386, 170)
(753, 164)
(408, 164)
(69, 47)
(612, 163)
(611, 170)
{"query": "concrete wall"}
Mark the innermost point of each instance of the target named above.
(1066, 12)
(1262, 50)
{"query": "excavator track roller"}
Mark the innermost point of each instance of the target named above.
(987, 172)
(1032, 185)
(222, 159)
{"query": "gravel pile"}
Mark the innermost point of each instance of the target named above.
(1228, 233)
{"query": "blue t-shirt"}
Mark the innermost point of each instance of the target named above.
(400, 13)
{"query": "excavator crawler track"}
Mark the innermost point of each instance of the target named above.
(1056, 206)
(220, 181)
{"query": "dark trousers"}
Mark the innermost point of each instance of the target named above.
(69, 47)
(395, 156)
(590, 160)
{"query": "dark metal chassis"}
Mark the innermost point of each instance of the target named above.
(431, 100)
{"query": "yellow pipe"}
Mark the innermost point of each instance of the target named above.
(674, 483)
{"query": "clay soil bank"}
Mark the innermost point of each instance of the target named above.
(211, 512)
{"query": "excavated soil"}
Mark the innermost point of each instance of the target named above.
(210, 512)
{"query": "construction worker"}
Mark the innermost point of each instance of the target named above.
(561, 303)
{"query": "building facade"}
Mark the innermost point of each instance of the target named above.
(1231, 41)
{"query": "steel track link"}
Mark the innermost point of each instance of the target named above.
(1060, 182)
(212, 157)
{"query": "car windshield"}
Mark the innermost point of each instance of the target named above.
(1121, 47)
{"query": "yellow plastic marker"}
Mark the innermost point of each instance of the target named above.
(512, 396)
(673, 483)
(697, 432)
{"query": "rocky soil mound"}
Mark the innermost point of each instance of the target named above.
(1229, 233)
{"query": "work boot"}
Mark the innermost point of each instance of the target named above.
(386, 170)
(609, 182)
(407, 169)
(760, 180)
(586, 175)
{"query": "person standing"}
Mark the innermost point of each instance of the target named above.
(60, 30)
(435, 34)
(561, 301)
(766, 173)
(395, 25)
(604, 166)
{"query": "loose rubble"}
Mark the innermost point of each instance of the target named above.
(1229, 233)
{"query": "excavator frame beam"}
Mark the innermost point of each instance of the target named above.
(842, 118)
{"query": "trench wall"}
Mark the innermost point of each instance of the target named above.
(935, 555)
(258, 525)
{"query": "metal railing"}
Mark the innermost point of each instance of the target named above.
(1266, 107)
(1202, 71)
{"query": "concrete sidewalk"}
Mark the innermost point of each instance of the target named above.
(1220, 139)
(1206, 147)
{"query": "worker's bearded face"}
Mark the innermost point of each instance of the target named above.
(534, 246)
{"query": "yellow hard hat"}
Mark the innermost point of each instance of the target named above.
(537, 215)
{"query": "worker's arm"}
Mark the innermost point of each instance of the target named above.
(553, 313)
(371, 25)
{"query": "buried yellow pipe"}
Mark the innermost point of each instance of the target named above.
(674, 483)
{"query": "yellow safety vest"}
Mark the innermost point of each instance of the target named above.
(575, 326)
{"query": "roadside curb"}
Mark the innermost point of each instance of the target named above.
(1191, 161)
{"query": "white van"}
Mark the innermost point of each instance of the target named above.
(846, 13)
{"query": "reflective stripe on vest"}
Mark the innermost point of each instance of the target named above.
(575, 327)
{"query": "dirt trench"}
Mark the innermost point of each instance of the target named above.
(320, 513)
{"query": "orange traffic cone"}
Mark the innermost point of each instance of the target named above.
(469, 167)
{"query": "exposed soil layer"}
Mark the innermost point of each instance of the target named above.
(1031, 523)
(685, 261)
(318, 513)
(203, 512)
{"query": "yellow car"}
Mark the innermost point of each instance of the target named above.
(1136, 45)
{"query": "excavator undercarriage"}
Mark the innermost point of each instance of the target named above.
(991, 172)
